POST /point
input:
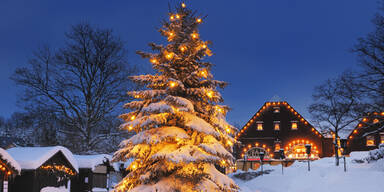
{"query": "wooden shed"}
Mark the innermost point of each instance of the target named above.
(9, 168)
(43, 168)
(94, 173)
(277, 125)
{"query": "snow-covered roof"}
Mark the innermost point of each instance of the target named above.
(91, 161)
(12, 162)
(33, 157)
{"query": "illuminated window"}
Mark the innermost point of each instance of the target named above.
(259, 125)
(382, 138)
(375, 120)
(294, 125)
(370, 140)
(276, 125)
(277, 147)
(276, 109)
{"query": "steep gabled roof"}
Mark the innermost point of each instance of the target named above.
(370, 120)
(9, 161)
(31, 158)
(276, 104)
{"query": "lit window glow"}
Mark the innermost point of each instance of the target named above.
(276, 109)
(276, 125)
(294, 126)
(370, 140)
(259, 126)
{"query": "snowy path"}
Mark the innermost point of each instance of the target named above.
(324, 177)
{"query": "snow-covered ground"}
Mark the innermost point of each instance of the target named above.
(323, 177)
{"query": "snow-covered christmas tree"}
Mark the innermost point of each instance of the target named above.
(181, 131)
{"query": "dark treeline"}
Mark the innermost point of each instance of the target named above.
(73, 94)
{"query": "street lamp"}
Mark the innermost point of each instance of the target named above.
(282, 157)
(308, 150)
(261, 155)
(343, 143)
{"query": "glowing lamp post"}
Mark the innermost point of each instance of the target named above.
(261, 155)
(343, 143)
(308, 150)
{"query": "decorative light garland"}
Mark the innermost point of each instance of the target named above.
(365, 121)
(61, 168)
(272, 104)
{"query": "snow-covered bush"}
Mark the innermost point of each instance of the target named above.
(375, 154)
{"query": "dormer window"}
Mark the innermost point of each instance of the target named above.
(259, 125)
(276, 125)
(294, 125)
(370, 140)
(276, 109)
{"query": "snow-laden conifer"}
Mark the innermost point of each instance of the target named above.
(181, 131)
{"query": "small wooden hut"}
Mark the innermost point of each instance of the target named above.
(43, 168)
(94, 173)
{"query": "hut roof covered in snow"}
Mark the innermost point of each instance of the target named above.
(4, 155)
(33, 157)
(91, 161)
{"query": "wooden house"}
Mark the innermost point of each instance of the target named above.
(9, 168)
(368, 134)
(277, 125)
(94, 173)
(42, 168)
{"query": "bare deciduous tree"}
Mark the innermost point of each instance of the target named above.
(370, 51)
(337, 105)
(83, 82)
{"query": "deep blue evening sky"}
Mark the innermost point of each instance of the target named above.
(262, 47)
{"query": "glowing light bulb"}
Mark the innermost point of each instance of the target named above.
(133, 117)
(172, 17)
(134, 166)
(204, 46)
(183, 5)
(177, 16)
(183, 48)
(194, 35)
(210, 94)
(198, 20)
(172, 84)
(228, 130)
(130, 128)
(153, 60)
(169, 56)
